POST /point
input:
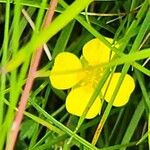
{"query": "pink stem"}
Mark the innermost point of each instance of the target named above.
(29, 83)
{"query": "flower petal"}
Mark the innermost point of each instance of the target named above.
(78, 99)
(96, 52)
(124, 92)
(65, 72)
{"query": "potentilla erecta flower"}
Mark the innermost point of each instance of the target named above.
(82, 76)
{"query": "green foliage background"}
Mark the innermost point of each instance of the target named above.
(46, 124)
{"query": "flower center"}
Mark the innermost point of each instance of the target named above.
(92, 75)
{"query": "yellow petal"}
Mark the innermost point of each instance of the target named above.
(96, 52)
(66, 71)
(124, 92)
(78, 99)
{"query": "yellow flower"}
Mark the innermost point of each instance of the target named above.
(82, 76)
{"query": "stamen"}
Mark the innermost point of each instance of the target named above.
(92, 76)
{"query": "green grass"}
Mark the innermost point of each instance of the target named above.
(46, 124)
